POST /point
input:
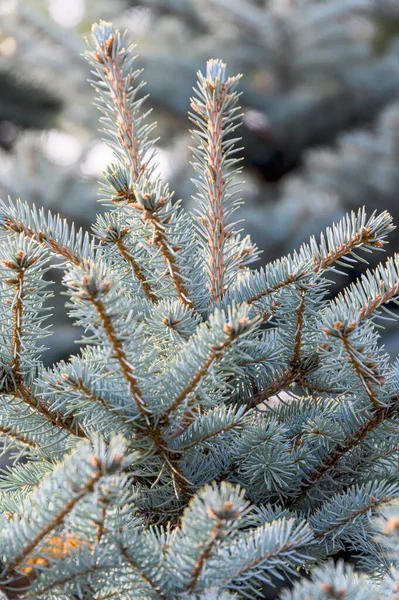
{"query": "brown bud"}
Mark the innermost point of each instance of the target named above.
(351, 326)
(338, 325)
(95, 461)
(146, 214)
(217, 347)
(229, 329)
(9, 264)
(20, 255)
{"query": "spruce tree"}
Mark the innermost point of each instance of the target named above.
(222, 426)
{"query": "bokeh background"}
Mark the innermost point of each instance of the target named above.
(320, 95)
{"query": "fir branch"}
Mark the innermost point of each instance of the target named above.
(18, 307)
(212, 516)
(92, 285)
(295, 367)
(68, 423)
(139, 571)
(51, 232)
(120, 355)
(352, 232)
(275, 287)
(215, 535)
(211, 348)
(88, 284)
(340, 450)
(58, 583)
(168, 252)
(365, 370)
(215, 423)
(364, 298)
(97, 464)
(111, 232)
(215, 115)
(138, 272)
(279, 545)
(171, 230)
(336, 581)
(80, 386)
(348, 507)
(214, 353)
(277, 385)
(17, 436)
(113, 65)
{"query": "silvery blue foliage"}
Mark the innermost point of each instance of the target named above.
(159, 462)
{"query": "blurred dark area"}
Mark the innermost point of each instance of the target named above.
(320, 99)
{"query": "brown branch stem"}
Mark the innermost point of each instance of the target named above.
(214, 353)
(120, 355)
(55, 522)
(340, 450)
(360, 372)
(137, 270)
(169, 256)
(374, 503)
(17, 317)
(205, 553)
(16, 436)
(365, 236)
(40, 405)
(136, 568)
(44, 239)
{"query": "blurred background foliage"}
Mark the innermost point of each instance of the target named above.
(320, 97)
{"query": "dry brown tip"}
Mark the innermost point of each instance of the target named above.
(97, 57)
(109, 44)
